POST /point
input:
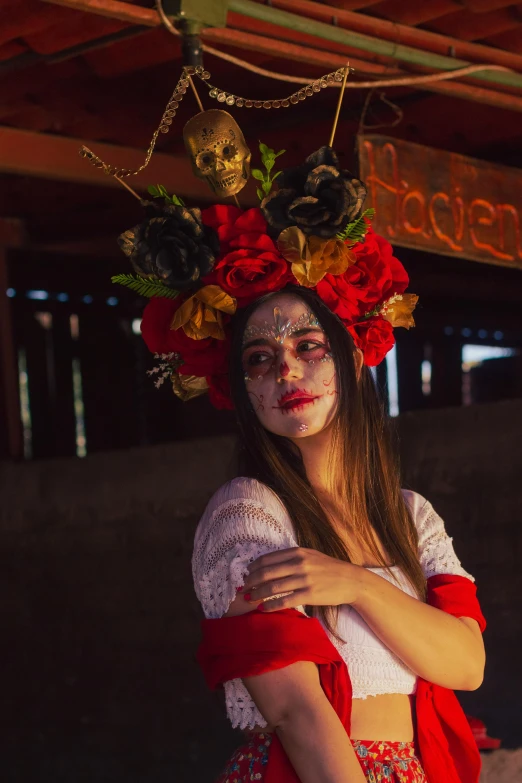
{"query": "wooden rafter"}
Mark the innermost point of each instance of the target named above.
(55, 157)
(114, 9)
(369, 25)
(413, 12)
(498, 97)
(410, 36)
(473, 27)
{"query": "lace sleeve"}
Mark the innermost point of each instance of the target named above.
(231, 535)
(436, 552)
(243, 521)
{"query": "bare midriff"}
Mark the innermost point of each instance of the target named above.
(387, 717)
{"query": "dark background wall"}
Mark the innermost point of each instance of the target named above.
(100, 623)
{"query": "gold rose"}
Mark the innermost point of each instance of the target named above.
(313, 257)
(186, 387)
(201, 315)
(397, 310)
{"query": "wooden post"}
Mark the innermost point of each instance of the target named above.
(410, 355)
(446, 379)
(11, 437)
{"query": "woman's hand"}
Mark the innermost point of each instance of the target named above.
(315, 579)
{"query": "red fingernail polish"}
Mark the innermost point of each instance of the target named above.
(247, 596)
(261, 608)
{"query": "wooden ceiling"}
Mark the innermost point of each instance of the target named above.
(105, 78)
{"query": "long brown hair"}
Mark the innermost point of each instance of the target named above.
(364, 462)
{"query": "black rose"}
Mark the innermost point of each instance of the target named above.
(318, 197)
(171, 244)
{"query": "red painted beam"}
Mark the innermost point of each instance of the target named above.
(267, 45)
(493, 97)
(473, 27)
(362, 23)
(413, 11)
(409, 36)
(114, 9)
(510, 40)
(27, 18)
(56, 158)
(354, 5)
(483, 6)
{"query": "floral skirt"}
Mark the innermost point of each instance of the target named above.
(389, 762)
(382, 762)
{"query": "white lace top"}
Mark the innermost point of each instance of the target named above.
(244, 520)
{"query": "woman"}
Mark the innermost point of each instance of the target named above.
(319, 519)
(338, 617)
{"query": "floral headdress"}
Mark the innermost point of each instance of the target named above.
(199, 267)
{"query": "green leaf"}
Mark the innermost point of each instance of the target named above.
(267, 154)
(178, 202)
(263, 149)
(267, 187)
(153, 190)
(276, 175)
(258, 174)
(270, 164)
(260, 194)
(281, 152)
(145, 287)
(163, 191)
(373, 312)
(355, 232)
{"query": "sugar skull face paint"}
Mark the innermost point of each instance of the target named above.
(289, 370)
(280, 327)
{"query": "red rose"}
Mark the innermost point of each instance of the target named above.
(393, 279)
(375, 276)
(200, 357)
(235, 228)
(374, 337)
(250, 264)
(219, 392)
(340, 296)
(250, 273)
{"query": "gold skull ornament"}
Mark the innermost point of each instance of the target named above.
(218, 151)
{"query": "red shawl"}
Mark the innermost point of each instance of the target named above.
(254, 643)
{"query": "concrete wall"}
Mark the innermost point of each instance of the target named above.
(100, 624)
(468, 462)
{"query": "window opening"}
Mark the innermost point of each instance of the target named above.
(476, 355)
(25, 408)
(393, 382)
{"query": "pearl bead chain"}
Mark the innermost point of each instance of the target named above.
(300, 95)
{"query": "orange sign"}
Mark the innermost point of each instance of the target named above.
(445, 203)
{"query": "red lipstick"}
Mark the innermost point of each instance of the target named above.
(296, 399)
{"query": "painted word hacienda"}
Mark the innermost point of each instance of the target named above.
(442, 202)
